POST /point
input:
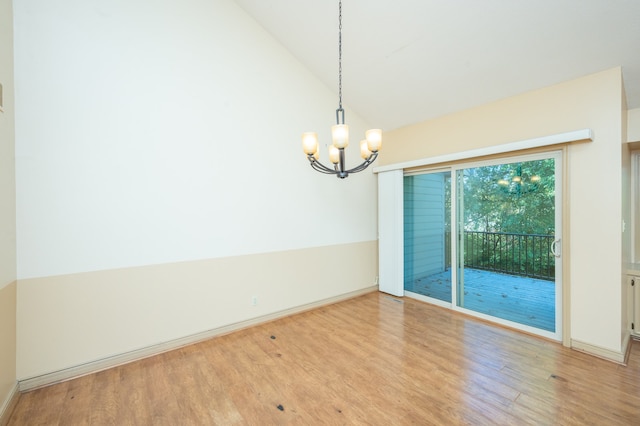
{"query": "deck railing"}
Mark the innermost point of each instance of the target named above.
(526, 255)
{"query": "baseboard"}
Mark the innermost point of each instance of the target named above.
(618, 357)
(7, 407)
(116, 360)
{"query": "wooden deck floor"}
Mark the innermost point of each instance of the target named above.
(524, 300)
(372, 360)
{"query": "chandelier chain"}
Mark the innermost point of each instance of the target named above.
(340, 55)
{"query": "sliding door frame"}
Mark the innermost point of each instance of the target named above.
(550, 142)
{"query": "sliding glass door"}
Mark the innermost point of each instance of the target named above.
(502, 232)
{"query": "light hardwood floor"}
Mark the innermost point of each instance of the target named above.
(373, 360)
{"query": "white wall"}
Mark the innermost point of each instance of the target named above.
(151, 132)
(7, 211)
(157, 133)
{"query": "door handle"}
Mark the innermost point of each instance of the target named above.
(555, 247)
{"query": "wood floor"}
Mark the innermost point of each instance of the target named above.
(373, 360)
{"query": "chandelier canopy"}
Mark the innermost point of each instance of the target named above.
(369, 146)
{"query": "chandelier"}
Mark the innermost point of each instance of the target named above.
(520, 183)
(369, 146)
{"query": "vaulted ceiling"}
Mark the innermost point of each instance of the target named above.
(405, 61)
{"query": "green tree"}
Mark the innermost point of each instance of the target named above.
(512, 198)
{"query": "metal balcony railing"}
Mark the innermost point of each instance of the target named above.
(527, 255)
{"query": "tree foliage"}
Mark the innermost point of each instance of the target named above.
(512, 198)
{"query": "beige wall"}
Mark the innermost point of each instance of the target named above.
(7, 210)
(594, 198)
(633, 125)
(7, 343)
(85, 317)
(7, 151)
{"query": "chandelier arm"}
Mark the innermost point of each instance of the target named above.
(316, 165)
(322, 168)
(360, 167)
(325, 171)
(365, 164)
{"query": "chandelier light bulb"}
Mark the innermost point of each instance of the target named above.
(365, 153)
(340, 134)
(334, 154)
(374, 139)
(310, 142)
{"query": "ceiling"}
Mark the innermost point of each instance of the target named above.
(406, 61)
